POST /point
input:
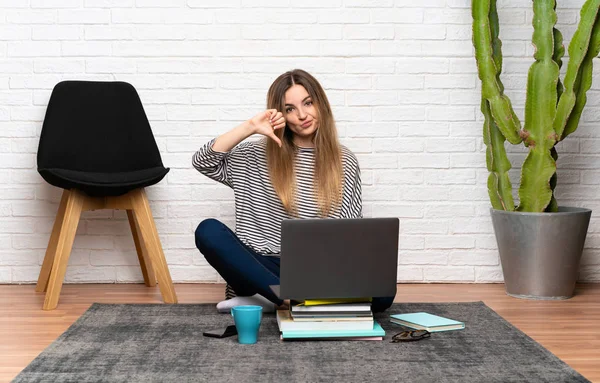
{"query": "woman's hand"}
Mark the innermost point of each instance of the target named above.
(267, 122)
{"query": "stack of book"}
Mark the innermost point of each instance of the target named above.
(329, 320)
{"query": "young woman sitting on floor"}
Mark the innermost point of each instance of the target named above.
(298, 170)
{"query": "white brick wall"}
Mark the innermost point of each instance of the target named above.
(401, 79)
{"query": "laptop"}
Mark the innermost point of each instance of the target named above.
(338, 258)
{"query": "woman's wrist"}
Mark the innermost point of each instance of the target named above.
(249, 127)
(229, 140)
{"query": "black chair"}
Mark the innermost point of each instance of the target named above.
(96, 144)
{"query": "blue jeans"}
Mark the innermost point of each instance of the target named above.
(245, 270)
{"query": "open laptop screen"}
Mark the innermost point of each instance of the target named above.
(338, 258)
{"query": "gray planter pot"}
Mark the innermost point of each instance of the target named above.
(540, 252)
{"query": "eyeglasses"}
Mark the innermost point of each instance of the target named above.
(410, 336)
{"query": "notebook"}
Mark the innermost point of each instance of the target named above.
(335, 301)
(340, 307)
(426, 321)
(336, 338)
(287, 323)
(376, 331)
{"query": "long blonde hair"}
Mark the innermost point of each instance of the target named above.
(328, 162)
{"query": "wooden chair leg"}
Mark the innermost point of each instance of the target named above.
(142, 253)
(150, 238)
(63, 248)
(42, 282)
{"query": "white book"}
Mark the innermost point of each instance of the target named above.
(287, 323)
(340, 307)
(333, 319)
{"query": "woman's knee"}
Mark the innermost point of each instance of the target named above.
(206, 233)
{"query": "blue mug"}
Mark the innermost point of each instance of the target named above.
(247, 322)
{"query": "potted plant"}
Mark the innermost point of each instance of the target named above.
(540, 242)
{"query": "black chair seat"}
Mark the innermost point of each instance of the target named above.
(103, 184)
(96, 138)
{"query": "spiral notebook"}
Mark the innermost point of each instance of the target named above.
(426, 321)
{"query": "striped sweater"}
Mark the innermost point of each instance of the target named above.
(258, 209)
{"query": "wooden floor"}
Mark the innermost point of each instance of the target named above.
(570, 329)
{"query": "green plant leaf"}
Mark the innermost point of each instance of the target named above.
(540, 107)
(577, 53)
(487, 69)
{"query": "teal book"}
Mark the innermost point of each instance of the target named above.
(376, 331)
(426, 321)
